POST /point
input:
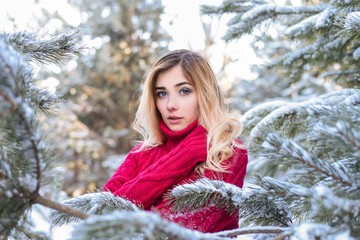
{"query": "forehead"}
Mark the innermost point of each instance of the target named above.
(171, 77)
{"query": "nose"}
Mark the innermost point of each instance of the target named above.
(172, 104)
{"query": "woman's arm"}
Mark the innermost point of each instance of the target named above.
(211, 218)
(128, 170)
(151, 183)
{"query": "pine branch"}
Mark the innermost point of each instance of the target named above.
(281, 148)
(346, 73)
(322, 199)
(252, 202)
(17, 76)
(252, 117)
(18, 202)
(347, 4)
(261, 13)
(349, 25)
(25, 156)
(312, 23)
(265, 207)
(282, 188)
(44, 48)
(291, 119)
(310, 230)
(122, 224)
(203, 191)
(342, 130)
(326, 200)
(43, 99)
(229, 6)
(314, 52)
(254, 230)
(37, 198)
(92, 203)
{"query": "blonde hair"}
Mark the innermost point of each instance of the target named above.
(223, 130)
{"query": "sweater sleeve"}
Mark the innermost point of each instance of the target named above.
(128, 170)
(211, 218)
(151, 183)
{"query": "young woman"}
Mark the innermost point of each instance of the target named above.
(187, 134)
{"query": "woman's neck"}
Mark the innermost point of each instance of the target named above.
(173, 138)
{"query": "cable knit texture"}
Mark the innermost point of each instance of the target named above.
(146, 177)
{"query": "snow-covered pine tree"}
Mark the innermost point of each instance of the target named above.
(304, 156)
(25, 156)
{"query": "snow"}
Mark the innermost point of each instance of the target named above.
(324, 18)
(39, 216)
(318, 21)
(352, 21)
(356, 54)
(29, 181)
(312, 231)
(122, 222)
(5, 168)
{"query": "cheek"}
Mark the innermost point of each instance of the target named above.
(159, 107)
(194, 106)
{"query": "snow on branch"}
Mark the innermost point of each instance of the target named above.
(351, 75)
(312, 52)
(273, 230)
(292, 151)
(283, 188)
(251, 201)
(317, 21)
(140, 224)
(344, 208)
(15, 77)
(323, 200)
(228, 6)
(45, 48)
(313, 231)
(198, 194)
(15, 74)
(252, 117)
(351, 25)
(92, 203)
(341, 130)
(26, 155)
(293, 117)
(149, 225)
(263, 12)
(43, 99)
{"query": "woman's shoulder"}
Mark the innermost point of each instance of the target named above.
(236, 165)
(240, 154)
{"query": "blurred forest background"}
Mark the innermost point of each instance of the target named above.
(300, 57)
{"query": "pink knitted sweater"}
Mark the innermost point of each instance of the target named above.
(145, 177)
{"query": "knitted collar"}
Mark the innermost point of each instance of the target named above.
(175, 137)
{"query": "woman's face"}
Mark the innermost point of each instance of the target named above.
(176, 99)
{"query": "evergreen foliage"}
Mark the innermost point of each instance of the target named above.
(25, 156)
(92, 203)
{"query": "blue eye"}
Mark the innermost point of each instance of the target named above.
(185, 91)
(160, 94)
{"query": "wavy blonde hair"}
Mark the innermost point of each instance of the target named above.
(223, 130)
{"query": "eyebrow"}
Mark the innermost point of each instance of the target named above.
(176, 85)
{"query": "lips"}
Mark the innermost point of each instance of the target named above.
(174, 118)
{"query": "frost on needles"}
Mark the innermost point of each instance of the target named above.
(25, 156)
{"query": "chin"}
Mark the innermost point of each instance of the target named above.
(176, 128)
